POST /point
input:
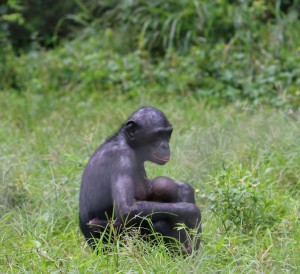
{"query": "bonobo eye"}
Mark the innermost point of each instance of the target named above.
(167, 134)
(161, 135)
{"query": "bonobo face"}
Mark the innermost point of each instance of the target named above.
(148, 131)
(159, 147)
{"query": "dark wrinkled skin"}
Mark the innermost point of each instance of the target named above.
(115, 185)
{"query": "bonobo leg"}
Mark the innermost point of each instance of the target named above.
(97, 224)
(171, 235)
(106, 230)
(186, 193)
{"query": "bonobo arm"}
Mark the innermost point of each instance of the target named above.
(181, 212)
(127, 207)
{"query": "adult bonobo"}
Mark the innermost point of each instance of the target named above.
(115, 184)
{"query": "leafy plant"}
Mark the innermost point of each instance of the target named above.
(244, 201)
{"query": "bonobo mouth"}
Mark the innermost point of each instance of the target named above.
(163, 159)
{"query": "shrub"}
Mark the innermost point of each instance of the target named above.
(24, 23)
(159, 25)
(243, 201)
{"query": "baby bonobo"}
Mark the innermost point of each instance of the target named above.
(164, 190)
(115, 186)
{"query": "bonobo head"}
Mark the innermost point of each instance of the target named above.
(148, 131)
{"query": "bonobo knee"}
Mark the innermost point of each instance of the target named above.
(186, 192)
(193, 218)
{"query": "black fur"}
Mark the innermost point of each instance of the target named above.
(114, 180)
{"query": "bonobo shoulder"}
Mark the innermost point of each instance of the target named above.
(111, 151)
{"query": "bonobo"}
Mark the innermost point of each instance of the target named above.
(115, 185)
(163, 189)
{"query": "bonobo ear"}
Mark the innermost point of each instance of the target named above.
(131, 128)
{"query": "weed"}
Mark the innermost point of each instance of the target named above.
(245, 200)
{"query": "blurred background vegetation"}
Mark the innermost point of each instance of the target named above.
(222, 51)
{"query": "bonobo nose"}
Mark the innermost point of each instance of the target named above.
(164, 146)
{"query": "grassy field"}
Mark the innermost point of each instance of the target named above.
(226, 73)
(244, 165)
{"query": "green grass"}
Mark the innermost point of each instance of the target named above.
(227, 76)
(45, 140)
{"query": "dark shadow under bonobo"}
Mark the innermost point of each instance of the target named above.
(115, 187)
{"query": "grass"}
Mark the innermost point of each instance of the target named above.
(45, 140)
(227, 76)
